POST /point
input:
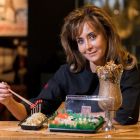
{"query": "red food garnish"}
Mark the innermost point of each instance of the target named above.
(32, 106)
(36, 103)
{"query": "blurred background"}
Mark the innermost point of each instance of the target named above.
(30, 48)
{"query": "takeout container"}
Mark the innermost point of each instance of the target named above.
(83, 106)
(28, 127)
(89, 131)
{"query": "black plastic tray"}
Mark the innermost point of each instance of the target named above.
(27, 127)
(75, 130)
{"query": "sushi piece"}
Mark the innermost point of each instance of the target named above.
(67, 122)
(61, 116)
(70, 117)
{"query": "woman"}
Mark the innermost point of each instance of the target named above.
(90, 39)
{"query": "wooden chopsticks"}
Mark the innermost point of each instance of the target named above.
(23, 99)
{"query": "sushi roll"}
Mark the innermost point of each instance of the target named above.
(100, 118)
(70, 117)
(67, 122)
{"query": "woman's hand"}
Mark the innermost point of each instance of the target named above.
(17, 109)
(5, 95)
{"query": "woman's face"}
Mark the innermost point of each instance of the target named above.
(92, 44)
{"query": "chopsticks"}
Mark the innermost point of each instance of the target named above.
(23, 99)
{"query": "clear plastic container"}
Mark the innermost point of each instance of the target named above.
(81, 103)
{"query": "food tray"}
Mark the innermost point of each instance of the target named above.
(89, 131)
(27, 127)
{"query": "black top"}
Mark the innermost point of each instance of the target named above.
(66, 83)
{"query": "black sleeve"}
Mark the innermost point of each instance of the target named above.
(53, 94)
(128, 113)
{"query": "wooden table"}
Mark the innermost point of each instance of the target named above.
(132, 132)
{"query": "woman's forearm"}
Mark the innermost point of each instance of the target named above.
(17, 109)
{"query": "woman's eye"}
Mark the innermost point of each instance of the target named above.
(80, 41)
(92, 36)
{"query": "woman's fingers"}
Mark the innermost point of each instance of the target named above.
(7, 86)
(4, 85)
(5, 95)
(4, 90)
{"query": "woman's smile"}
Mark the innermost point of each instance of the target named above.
(92, 53)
